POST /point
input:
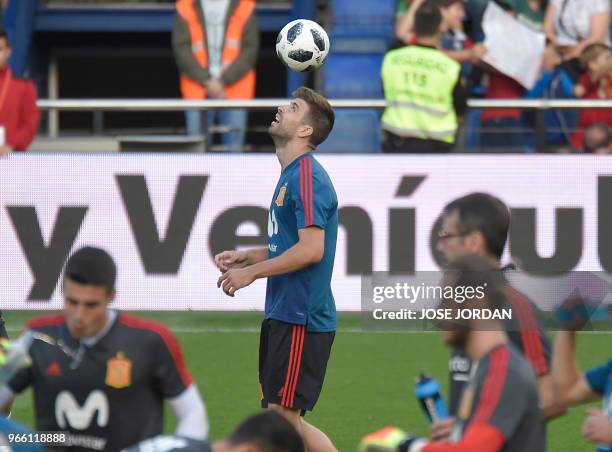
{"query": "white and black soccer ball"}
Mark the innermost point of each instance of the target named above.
(302, 45)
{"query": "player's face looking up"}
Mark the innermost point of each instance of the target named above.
(85, 307)
(289, 121)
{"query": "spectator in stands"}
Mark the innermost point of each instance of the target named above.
(598, 139)
(216, 59)
(502, 129)
(425, 91)
(453, 40)
(595, 83)
(475, 10)
(19, 113)
(404, 20)
(572, 25)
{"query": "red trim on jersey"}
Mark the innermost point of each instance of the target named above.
(293, 367)
(301, 332)
(309, 187)
(47, 320)
(169, 339)
(493, 384)
(302, 191)
(480, 437)
(306, 189)
(530, 332)
(289, 367)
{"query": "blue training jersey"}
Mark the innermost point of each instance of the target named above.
(600, 381)
(304, 197)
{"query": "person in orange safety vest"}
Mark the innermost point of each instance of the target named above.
(216, 44)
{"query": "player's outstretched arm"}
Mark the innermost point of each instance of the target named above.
(572, 386)
(239, 259)
(307, 251)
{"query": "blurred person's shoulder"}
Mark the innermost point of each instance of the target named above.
(22, 82)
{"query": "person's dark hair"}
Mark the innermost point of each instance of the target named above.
(427, 20)
(321, 115)
(270, 432)
(4, 35)
(93, 266)
(486, 214)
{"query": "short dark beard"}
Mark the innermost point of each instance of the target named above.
(279, 139)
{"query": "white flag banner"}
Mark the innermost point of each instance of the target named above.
(513, 48)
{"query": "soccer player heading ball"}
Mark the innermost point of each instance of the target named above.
(300, 313)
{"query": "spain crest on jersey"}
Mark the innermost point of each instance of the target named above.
(118, 371)
(280, 199)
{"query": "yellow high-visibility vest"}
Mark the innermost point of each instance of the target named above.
(418, 83)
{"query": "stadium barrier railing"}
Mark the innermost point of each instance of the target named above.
(538, 106)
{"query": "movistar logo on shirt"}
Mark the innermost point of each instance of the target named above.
(80, 417)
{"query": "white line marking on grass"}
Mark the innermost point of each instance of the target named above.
(257, 330)
(252, 330)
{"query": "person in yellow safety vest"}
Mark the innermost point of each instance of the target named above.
(424, 89)
(216, 44)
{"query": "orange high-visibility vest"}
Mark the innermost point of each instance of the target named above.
(243, 88)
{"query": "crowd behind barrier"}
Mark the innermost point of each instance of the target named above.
(573, 61)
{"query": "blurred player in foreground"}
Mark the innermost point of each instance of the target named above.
(103, 376)
(575, 388)
(8, 429)
(499, 407)
(477, 224)
(300, 313)
(264, 432)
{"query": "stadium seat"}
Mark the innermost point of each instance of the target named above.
(363, 18)
(355, 130)
(353, 67)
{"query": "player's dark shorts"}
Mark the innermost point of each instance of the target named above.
(292, 364)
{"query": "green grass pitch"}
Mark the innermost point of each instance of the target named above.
(369, 381)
